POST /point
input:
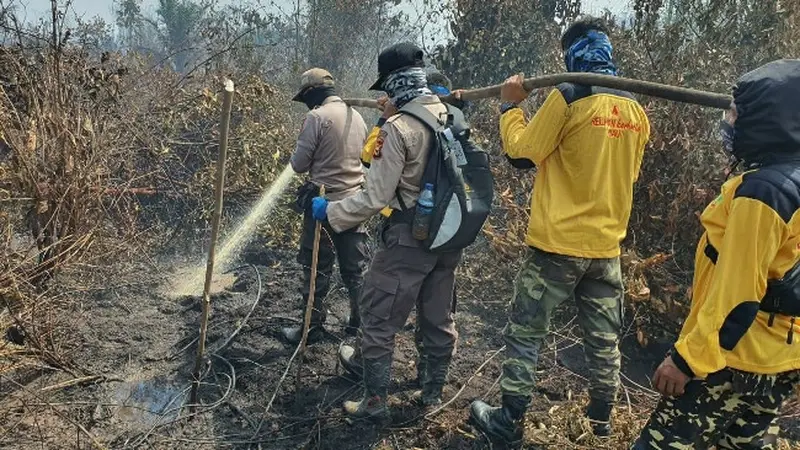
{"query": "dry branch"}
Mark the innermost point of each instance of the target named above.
(81, 381)
(667, 92)
(482, 366)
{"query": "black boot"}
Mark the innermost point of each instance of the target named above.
(377, 373)
(295, 334)
(505, 422)
(599, 414)
(354, 319)
(421, 358)
(434, 377)
(421, 367)
(353, 323)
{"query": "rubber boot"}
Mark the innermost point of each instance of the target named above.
(434, 379)
(377, 373)
(599, 414)
(354, 319)
(350, 358)
(505, 422)
(294, 334)
(421, 358)
(421, 367)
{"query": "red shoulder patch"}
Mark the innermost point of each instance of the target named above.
(379, 145)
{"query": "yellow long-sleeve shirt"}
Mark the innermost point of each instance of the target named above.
(588, 144)
(369, 149)
(752, 234)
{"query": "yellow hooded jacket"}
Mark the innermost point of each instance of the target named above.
(752, 237)
(752, 234)
(588, 144)
(369, 149)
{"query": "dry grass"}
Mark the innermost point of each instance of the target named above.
(107, 161)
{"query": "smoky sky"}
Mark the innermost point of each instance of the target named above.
(87, 9)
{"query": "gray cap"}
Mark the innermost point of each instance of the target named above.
(313, 78)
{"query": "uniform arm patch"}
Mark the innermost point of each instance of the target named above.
(379, 144)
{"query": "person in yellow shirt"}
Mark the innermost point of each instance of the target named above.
(587, 143)
(737, 358)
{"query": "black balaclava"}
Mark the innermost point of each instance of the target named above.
(315, 96)
(767, 127)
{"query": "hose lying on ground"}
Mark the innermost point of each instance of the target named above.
(665, 91)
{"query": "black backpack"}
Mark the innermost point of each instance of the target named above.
(462, 181)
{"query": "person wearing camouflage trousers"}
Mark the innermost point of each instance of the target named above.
(731, 409)
(737, 359)
(545, 281)
(587, 143)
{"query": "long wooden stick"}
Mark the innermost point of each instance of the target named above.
(665, 91)
(215, 221)
(312, 288)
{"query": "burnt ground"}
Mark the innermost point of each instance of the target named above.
(144, 340)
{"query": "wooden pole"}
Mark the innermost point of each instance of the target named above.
(665, 91)
(215, 221)
(312, 288)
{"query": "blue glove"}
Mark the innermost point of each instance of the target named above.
(319, 208)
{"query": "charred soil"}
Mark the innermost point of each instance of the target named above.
(141, 341)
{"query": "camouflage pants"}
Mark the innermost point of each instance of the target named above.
(545, 281)
(730, 409)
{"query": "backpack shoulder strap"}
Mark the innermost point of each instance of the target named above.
(422, 113)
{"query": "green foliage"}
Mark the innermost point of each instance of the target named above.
(496, 38)
(180, 19)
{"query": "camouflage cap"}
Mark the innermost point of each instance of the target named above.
(312, 78)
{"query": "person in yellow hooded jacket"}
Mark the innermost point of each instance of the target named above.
(587, 143)
(737, 358)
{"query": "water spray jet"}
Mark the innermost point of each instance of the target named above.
(189, 284)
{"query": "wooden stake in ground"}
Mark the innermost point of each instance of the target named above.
(313, 285)
(220, 184)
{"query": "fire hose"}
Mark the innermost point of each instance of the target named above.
(664, 91)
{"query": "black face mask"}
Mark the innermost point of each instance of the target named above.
(315, 96)
(726, 133)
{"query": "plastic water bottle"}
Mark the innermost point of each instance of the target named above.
(423, 215)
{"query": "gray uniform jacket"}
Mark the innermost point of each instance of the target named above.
(398, 163)
(329, 148)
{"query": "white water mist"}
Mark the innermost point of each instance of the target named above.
(192, 284)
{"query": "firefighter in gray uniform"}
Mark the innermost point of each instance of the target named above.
(329, 150)
(403, 273)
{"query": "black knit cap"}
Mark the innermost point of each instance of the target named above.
(396, 57)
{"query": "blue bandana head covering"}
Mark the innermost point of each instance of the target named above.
(591, 53)
(406, 85)
(439, 90)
